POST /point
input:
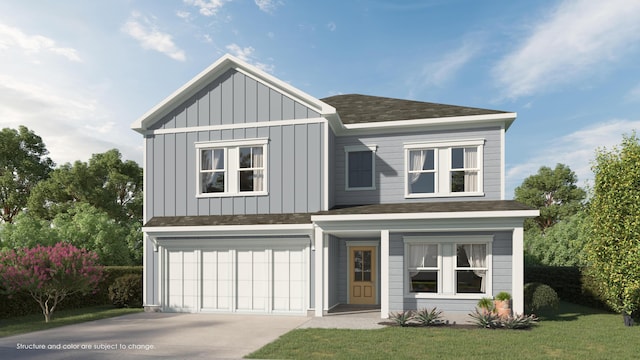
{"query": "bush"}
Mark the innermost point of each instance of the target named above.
(539, 296)
(425, 317)
(402, 318)
(126, 291)
(22, 303)
(489, 320)
(570, 283)
(485, 319)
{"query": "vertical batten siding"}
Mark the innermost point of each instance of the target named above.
(295, 155)
(502, 254)
(294, 173)
(390, 166)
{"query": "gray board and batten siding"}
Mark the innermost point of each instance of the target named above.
(390, 165)
(235, 98)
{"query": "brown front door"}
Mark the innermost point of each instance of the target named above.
(362, 278)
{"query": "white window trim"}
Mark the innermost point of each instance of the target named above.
(447, 264)
(443, 169)
(231, 151)
(354, 148)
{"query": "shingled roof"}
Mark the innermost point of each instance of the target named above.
(356, 108)
(305, 218)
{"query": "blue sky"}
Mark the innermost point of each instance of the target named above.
(80, 72)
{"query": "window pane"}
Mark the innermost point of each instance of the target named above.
(245, 157)
(205, 159)
(424, 281)
(251, 180)
(457, 181)
(470, 281)
(357, 265)
(212, 182)
(457, 158)
(424, 183)
(423, 255)
(471, 255)
(360, 169)
(429, 162)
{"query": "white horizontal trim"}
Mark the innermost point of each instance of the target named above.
(236, 126)
(230, 143)
(430, 122)
(355, 243)
(436, 239)
(232, 230)
(466, 296)
(363, 147)
(443, 144)
(428, 215)
(442, 195)
(232, 194)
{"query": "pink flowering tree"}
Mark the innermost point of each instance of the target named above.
(49, 273)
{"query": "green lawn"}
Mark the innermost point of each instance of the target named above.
(30, 323)
(575, 332)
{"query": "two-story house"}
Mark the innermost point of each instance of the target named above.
(261, 198)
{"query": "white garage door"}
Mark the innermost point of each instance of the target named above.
(251, 280)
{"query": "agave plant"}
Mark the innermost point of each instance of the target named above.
(402, 318)
(427, 317)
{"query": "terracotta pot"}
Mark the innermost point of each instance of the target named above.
(502, 308)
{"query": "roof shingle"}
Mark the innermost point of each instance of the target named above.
(356, 108)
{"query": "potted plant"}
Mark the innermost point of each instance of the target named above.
(502, 304)
(486, 305)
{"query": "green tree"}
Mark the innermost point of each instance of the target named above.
(560, 245)
(27, 231)
(613, 249)
(85, 226)
(23, 163)
(49, 273)
(106, 182)
(554, 192)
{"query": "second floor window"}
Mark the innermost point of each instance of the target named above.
(360, 163)
(235, 167)
(444, 169)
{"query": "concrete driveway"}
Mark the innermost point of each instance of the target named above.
(153, 335)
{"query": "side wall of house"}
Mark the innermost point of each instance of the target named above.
(501, 275)
(234, 107)
(390, 165)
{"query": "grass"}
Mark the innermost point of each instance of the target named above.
(573, 332)
(35, 322)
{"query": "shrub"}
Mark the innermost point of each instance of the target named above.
(503, 296)
(427, 317)
(518, 321)
(126, 291)
(485, 319)
(486, 304)
(539, 296)
(402, 318)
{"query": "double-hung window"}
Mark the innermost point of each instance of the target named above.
(448, 266)
(360, 164)
(444, 168)
(233, 167)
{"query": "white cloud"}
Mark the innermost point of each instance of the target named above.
(151, 38)
(268, 6)
(576, 38)
(34, 44)
(207, 8)
(246, 54)
(440, 71)
(577, 150)
(331, 26)
(72, 123)
(184, 15)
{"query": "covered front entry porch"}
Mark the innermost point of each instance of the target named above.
(342, 240)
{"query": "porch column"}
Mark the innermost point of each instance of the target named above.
(384, 274)
(517, 275)
(319, 271)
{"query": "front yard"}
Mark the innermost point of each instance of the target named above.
(575, 332)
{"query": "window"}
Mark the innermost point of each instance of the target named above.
(471, 268)
(424, 268)
(235, 167)
(444, 169)
(448, 266)
(360, 167)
